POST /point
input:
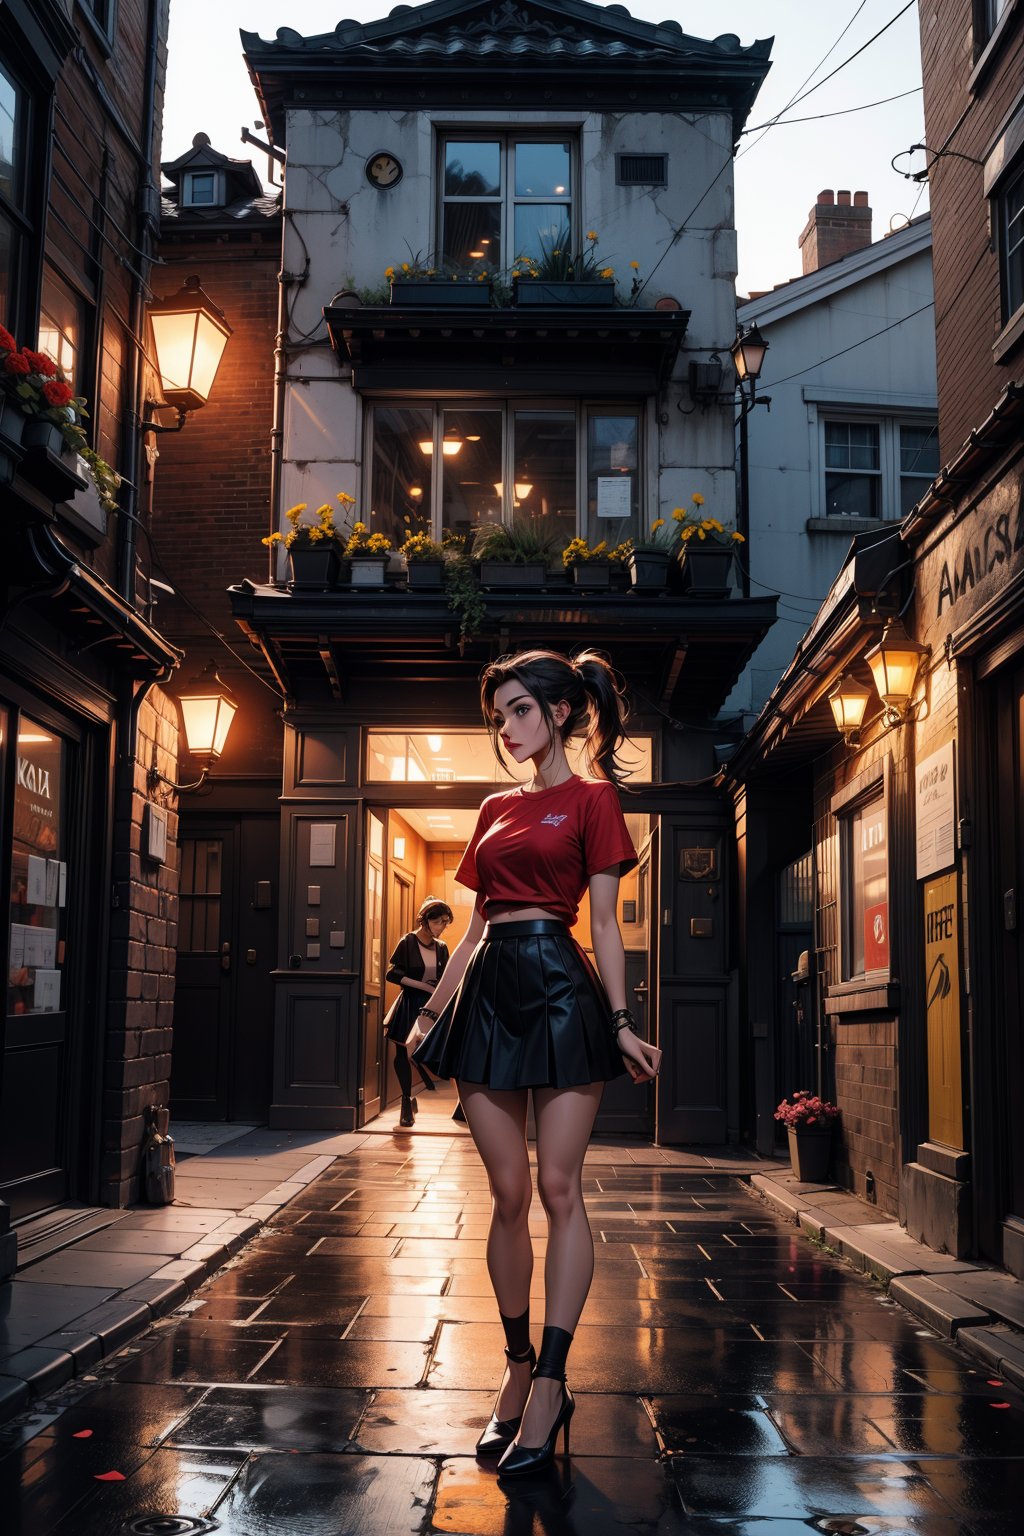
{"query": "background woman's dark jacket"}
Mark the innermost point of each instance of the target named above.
(408, 961)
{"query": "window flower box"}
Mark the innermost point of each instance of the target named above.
(513, 573)
(424, 575)
(12, 422)
(367, 570)
(440, 293)
(314, 568)
(48, 463)
(592, 575)
(648, 569)
(536, 293)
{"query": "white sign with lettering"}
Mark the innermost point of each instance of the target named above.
(936, 813)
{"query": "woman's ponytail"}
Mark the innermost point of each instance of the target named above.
(608, 713)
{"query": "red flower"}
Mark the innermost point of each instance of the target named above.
(56, 392)
(41, 364)
(7, 341)
(16, 362)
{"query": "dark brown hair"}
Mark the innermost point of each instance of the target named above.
(433, 906)
(588, 684)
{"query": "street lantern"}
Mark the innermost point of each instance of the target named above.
(849, 700)
(748, 353)
(189, 336)
(207, 710)
(895, 662)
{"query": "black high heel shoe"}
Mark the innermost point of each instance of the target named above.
(500, 1433)
(522, 1459)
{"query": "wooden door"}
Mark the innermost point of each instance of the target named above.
(1009, 915)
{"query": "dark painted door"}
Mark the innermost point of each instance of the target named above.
(374, 963)
(692, 1094)
(223, 1013)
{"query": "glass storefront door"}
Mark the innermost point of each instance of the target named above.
(34, 1085)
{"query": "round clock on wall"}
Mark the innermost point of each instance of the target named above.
(383, 170)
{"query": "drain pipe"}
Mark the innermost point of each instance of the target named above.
(284, 278)
(147, 215)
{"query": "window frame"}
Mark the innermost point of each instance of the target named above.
(102, 21)
(187, 187)
(868, 788)
(507, 405)
(889, 421)
(16, 207)
(507, 138)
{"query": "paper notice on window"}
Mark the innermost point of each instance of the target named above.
(40, 946)
(62, 885)
(52, 882)
(17, 960)
(36, 893)
(46, 997)
(614, 495)
(321, 844)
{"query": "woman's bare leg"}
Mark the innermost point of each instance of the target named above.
(497, 1122)
(565, 1120)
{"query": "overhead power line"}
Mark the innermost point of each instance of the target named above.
(844, 112)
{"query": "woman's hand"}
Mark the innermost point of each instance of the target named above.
(416, 1034)
(642, 1060)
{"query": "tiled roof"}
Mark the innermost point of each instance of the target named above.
(246, 210)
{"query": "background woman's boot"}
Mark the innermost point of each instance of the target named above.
(407, 1117)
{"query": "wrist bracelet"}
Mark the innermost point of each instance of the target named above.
(430, 1014)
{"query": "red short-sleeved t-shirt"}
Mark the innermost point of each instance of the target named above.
(539, 848)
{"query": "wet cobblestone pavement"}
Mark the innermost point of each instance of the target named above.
(730, 1378)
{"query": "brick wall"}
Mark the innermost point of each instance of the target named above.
(144, 932)
(212, 502)
(965, 263)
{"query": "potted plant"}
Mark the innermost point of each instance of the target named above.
(808, 1120)
(314, 555)
(49, 432)
(706, 550)
(462, 587)
(512, 556)
(649, 557)
(561, 275)
(424, 562)
(368, 555)
(426, 281)
(590, 565)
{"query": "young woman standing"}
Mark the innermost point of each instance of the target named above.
(417, 965)
(520, 1007)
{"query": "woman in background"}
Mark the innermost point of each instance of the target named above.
(417, 965)
(521, 1008)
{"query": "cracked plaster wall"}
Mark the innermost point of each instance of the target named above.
(352, 231)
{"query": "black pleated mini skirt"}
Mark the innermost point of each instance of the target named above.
(530, 1013)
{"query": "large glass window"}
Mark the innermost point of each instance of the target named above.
(38, 875)
(457, 467)
(503, 197)
(866, 890)
(853, 477)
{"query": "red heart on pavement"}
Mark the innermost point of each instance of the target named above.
(81, 1434)
(109, 1477)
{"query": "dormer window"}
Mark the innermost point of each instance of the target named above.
(201, 189)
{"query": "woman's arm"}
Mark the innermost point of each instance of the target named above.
(642, 1060)
(401, 960)
(453, 974)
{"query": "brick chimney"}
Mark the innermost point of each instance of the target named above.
(836, 226)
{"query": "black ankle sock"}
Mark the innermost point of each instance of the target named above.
(554, 1351)
(517, 1332)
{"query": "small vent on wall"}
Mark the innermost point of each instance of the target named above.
(641, 170)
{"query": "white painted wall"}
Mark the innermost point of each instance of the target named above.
(351, 232)
(805, 323)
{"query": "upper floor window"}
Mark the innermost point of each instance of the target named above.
(61, 325)
(877, 468)
(1010, 204)
(12, 189)
(992, 12)
(562, 467)
(200, 189)
(104, 13)
(504, 196)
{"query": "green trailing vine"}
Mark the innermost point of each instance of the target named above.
(462, 589)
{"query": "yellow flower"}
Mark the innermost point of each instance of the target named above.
(359, 528)
(659, 522)
(607, 272)
(738, 538)
(591, 234)
(679, 515)
(294, 513)
(406, 267)
(635, 265)
(701, 534)
(315, 535)
(389, 271)
(515, 271)
(345, 499)
(697, 499)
